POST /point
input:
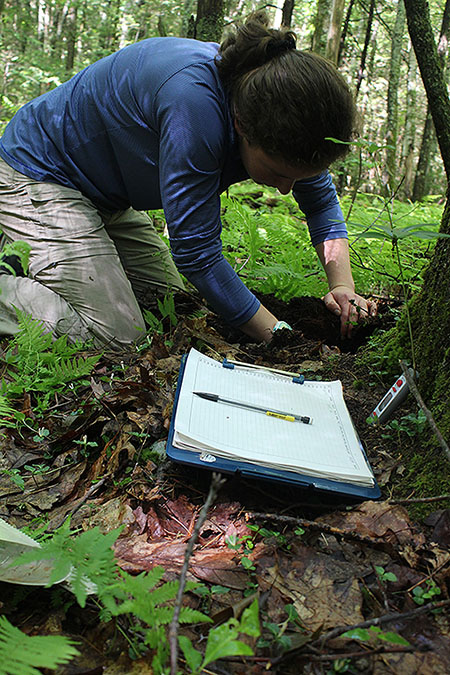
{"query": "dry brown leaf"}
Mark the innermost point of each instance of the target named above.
(322, 589)
(378, 519)
(126, 666)
(428, 663)
(112, 514)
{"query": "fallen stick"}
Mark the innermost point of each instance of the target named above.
(415, 392)
(216, 483)
(377, 621)
(374, 542)
(419, 500)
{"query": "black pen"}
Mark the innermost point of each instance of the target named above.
(289, 417)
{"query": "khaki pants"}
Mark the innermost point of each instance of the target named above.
(88, 267)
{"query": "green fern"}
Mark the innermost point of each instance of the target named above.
(19, 248)
(146, 605)
(21, 654)
(87, 560)
(37, 363)
(7, 413)
(143, 597)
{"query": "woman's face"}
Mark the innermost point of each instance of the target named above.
(267, 170)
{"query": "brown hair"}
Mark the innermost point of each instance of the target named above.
(286, 101)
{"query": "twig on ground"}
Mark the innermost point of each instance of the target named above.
(365, 652)
(216, 483)
(380, 620)
(373, 542)
(415, 392)
(419, 500)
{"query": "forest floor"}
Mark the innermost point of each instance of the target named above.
(353, 563)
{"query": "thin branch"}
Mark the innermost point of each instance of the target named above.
(373, 542)
(381, 620)
(216, 483)
(427, 413)
(419, 500)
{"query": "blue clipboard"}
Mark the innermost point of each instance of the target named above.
(208, 461)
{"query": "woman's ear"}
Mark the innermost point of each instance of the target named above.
(238, 128)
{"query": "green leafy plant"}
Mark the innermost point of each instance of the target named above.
(8, 415)
(15, 477)
(21, 654)
(166, 307)
(422, 594)
(411, 425)
(15, 248)
(85, 445)
(374, 634)
(223, 640)
(37, 363)
(88, 560)
(383, 575)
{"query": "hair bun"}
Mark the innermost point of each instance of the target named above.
(280, 46)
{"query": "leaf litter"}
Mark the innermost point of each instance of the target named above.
(316, 563)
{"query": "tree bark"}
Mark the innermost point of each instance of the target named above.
(321, 22)
(423, 178)
(430, 310)
(344, 31)
(420, 30)
(362, 65)
(288, 8)
(334, 30)
(392, 98)
(209, 21)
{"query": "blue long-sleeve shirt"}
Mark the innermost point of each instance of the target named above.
(151, 127)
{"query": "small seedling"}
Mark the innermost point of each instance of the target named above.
(422, 595)
(383, 575)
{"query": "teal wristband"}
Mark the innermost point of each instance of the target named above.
(281, 324)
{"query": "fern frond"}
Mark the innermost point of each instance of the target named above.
(189, 615)
(21, 654)
(88, 558)
(7, 413)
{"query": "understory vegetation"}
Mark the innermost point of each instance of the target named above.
(51, 401)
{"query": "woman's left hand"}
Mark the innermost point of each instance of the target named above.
(350, 306)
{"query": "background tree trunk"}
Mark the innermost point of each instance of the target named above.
(345, 29)
(409, 134)
(334, 30)
(288, 8)
(209, 21)
(390, 178)
(367, 39)
(321, 23)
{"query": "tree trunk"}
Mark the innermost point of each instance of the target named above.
(344, 31)
(362, 64)
(288, 8)
(392, 98)
(334, 30)
(430, 310)
(422, 178)
(71, 34)
(209, 21)
(420, 30)
(409, 135)
(321, 23)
